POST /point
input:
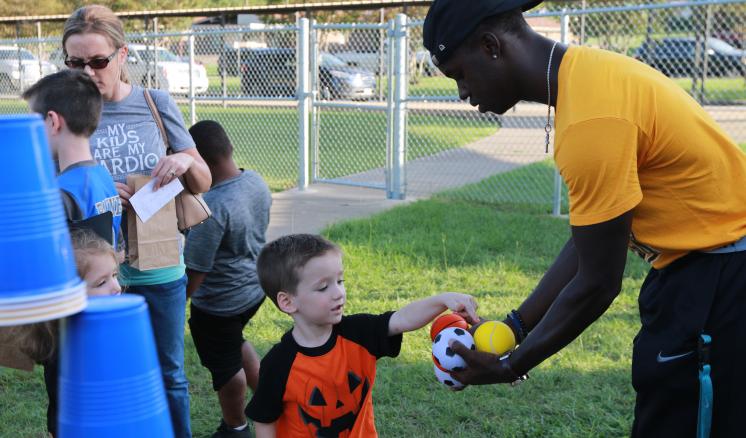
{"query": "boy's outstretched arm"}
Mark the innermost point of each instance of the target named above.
(264, 430)
(418, 313)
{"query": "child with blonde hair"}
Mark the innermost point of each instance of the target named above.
(98, 267)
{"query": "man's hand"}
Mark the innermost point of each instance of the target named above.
(482, 368)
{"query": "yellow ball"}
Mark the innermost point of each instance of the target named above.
(494, 337)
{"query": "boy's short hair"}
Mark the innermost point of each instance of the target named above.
(73, 95)
(281, 260)
(212, 141)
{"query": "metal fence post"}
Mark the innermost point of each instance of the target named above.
(192, 106)
(557, 196)
(401, 81)
(304, 101)
(315, 123)
(389, 107)
(38, 48)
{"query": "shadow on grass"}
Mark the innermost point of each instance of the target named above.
(557, 401)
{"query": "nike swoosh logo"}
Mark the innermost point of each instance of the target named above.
(661, 358)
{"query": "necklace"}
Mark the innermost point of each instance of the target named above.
(548, 126)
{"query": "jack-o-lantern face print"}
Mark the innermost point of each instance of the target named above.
(330, 410)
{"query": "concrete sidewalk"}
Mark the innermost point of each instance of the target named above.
(520, 141)
(320, 205)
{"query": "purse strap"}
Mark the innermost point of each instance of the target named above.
(158, 120)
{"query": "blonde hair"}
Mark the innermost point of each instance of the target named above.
(87, 245)
(39, 341)
(96, 19)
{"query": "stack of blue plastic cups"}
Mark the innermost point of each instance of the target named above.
(110, 380)
(38, 279)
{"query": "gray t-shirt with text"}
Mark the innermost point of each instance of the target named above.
(128, 141)
(228, 243)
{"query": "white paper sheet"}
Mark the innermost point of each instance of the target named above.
(147, 202)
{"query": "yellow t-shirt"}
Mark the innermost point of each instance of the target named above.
(629, 138)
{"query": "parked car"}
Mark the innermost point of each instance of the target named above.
(271, 72)
(229, 60)
(424, 63)
(169, 72)
(735, 39)
(677, 57)
(19, 69)
(337, 80)
(57, 58)
(364, 48)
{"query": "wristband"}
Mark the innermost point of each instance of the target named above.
(514, 313)
(516, 379)
(518, 326)
(515, 327)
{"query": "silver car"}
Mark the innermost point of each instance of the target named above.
(158, 67)
(19, 69)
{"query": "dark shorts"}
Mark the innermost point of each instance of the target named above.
(218, 340)
(700, 293)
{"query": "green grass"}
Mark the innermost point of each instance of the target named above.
(719, 89)
(716, 89)
(215, 87)
(413, 251)
(433, 86)
(266, 138)
(528, 189)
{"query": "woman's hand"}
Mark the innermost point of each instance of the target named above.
(171, 167)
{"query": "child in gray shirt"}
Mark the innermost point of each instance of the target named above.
(220, 256)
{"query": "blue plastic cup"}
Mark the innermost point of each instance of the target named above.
(110, 379)
(35, 249)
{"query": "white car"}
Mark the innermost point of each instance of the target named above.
(19, 69)
(168, 72)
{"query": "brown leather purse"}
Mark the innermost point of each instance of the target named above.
(191, 209)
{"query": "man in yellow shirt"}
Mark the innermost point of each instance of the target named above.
(646, 168)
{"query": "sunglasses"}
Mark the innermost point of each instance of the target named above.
(95, 63)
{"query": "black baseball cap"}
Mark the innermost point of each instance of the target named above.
(449, 22)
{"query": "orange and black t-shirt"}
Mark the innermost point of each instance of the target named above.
(324, 391)
(628, 138)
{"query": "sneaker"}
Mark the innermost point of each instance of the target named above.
(226, 431)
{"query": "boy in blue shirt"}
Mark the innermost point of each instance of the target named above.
(71, 105)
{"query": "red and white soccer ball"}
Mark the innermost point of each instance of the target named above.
(445, 358)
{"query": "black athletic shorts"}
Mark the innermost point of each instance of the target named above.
(700, 293)
(218, 340)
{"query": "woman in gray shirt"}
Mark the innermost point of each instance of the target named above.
(127, 142)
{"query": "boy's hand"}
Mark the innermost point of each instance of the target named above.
(462, 304)
(125, 193)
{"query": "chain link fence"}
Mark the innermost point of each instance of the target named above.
(362, 104)
(699, 45)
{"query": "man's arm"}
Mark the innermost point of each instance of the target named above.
(564, 268)
(265, 430)
(194, 280)
(601, 255)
